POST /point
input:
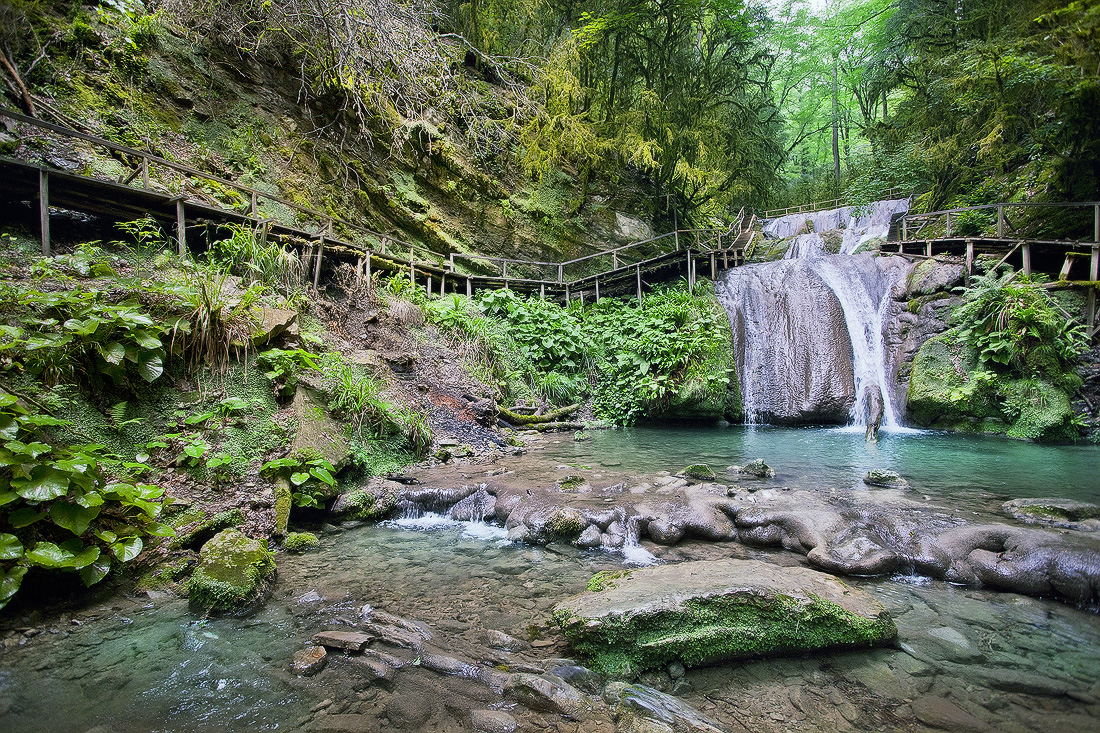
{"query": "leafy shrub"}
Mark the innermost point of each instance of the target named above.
(58, 335)
(307, 472)
(282, 367)
(68, 508)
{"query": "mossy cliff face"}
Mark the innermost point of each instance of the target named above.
(701, 613)
(950, 391)
(234, 574)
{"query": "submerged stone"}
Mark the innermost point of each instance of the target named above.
(309, 661)
(1058, 512)
(234, 574)
(755, 467)
(886, 479)
(640, 708)
(705, 612)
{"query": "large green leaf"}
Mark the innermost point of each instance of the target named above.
(112, 353)
(49, 555)
(10, 547)
(85, 557)
(151, 367)
(145, 339)
(96, 571)
(73, 518)
(9, 426)
(44, 484)
(127, 549)
(10, 582)
(24, 517)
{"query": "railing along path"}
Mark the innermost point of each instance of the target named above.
(171, 192)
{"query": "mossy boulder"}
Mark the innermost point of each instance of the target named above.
(298, 542)
(1039, 411)
(700, 613)
(699, 472)
(886, 479)
(1056, 512)
(947, 390)
(233, 576)
(317, 431)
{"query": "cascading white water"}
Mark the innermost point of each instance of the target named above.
(864, 297)
(808, 331)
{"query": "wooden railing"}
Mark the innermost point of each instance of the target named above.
(183, 183)
(1001, 220)
(895, 192)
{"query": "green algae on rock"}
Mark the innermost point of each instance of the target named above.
(699, 471)
(705, 612)
(233, 576)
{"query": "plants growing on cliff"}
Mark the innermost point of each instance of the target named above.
(307, 472)
(68, 508)
(1015, 326)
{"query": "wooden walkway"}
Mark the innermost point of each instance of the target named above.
(172, 193)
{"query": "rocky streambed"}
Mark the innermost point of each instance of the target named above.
(435, 622)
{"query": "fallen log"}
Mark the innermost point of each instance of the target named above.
(548, 427)
(525, 420)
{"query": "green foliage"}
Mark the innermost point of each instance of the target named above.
(251, 256)
(283, 367)
(70, 508)
(645, 354)
(1016, 328)
(308, 472)
(61, 334)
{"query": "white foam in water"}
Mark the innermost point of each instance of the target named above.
(430, 521)
(637, 555)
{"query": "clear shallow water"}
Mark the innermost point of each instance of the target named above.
(998, 656)
(954, 468)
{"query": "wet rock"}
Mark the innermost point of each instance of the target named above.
(941, 644)
(344, 724)
(501, 641)
(375, 669)
(676, 670)
(938, 712)
(374, 501)
(272, 323)
(590, 537)
(309, 661)
(1057, 512)
(637, 708)
(233, 576)
(547, 694)
(704, 612)
(886, 479)
(755, 467)
(448, 665)
(492, 721)
(316, 428)
(476, 507)
(699, 472)
(401, 362)
(580, 677)
(349, 641)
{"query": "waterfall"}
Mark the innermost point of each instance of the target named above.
(808, 330)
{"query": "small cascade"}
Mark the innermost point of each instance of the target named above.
(808, 330)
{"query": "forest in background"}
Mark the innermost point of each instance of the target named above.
(711, 104)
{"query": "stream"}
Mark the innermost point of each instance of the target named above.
(967, 658)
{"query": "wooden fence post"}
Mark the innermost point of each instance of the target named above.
(969, 257)
(1026, 253)
(469, 288)
(317, 263)
(144, 172)
(949, 224)
(638, 273)
(181, 228)
(44, 211)
(1000, 221)
(597, 291)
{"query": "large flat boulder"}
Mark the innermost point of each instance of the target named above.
(700, 613)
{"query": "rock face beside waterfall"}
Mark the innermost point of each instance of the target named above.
(700, 613)
(791, 344)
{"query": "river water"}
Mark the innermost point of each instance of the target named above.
(967, 657)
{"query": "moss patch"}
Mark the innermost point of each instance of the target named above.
(233, 575)
(706, 631)
(298, 542)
